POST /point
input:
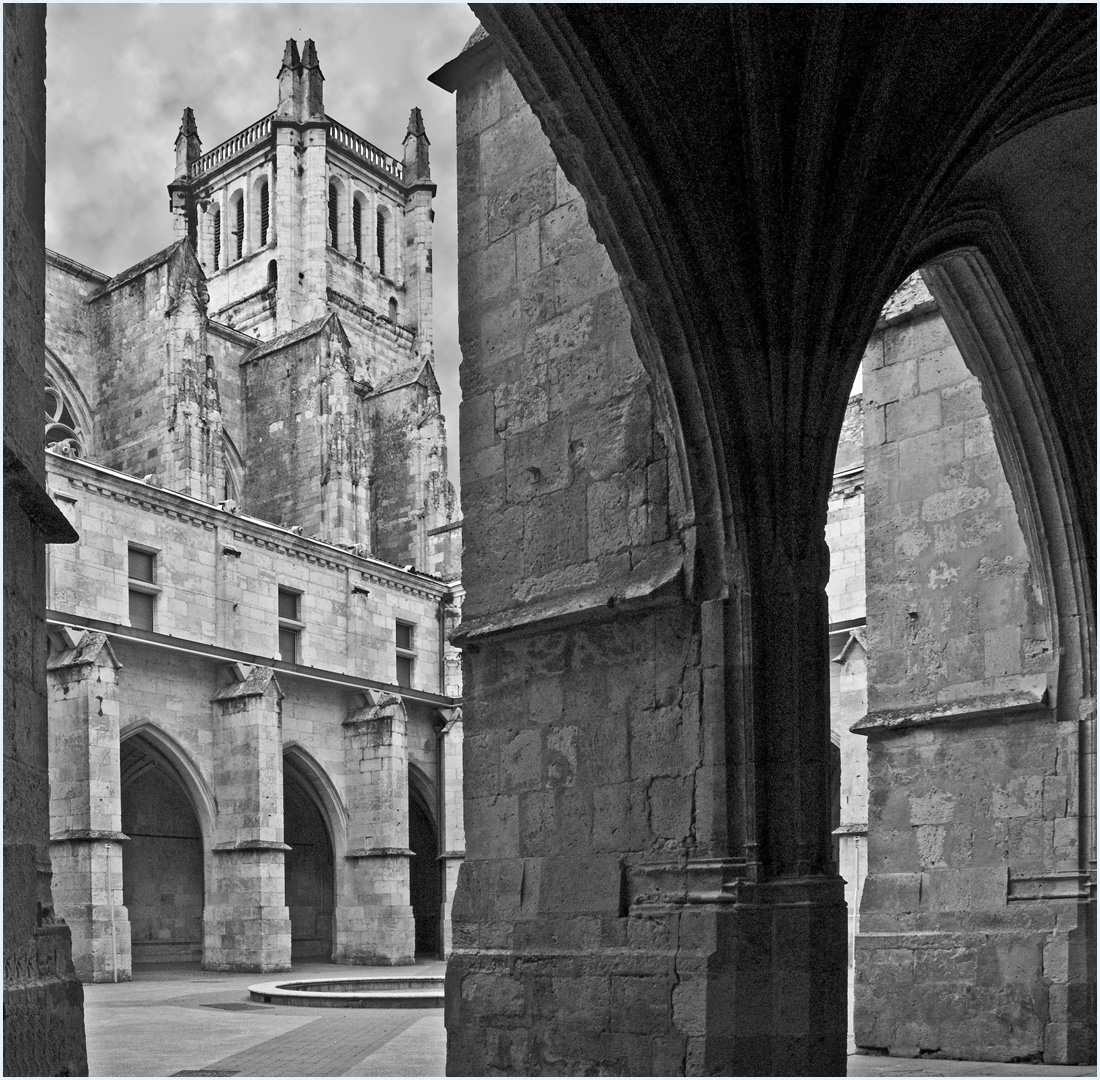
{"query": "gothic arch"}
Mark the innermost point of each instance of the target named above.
(324, 791)
(421, 784)
(384, 246)
(234, 469)
(71, 396)
(182, 765)
(237, 227)
(261, 219)
(360, 218)
(337, 214)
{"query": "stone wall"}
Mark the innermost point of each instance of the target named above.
(197, 680)
(588, 759)
(43, 1001)
(220, 574)
(976, 895)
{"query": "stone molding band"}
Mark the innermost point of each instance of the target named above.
(1011, 705)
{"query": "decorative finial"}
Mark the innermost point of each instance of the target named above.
(416, 163)
(416, 125)
(290, 55)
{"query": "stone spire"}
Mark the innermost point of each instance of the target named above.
(289, 76)
(313, 96)
(188, 145)
(416, 150)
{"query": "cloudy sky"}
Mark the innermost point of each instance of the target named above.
(119, 76)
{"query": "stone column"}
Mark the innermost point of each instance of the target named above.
(374, 918)
(452, 836)
(246, 923)
(86, 803)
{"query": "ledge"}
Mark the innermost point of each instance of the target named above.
(88, 836)
(34, 500)
(661, 588)
(1011, 704)
(380, 853)
(851, 828)
(1055, 885)
(250, 845)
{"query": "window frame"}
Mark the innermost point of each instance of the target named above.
(404, 652)
(140, 586)
(289, 625)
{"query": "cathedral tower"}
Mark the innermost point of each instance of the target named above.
(318, 246)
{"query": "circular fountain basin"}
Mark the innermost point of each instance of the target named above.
(380, 992)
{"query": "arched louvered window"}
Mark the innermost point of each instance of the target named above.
(265, 213)
(238, 208)
(381, 240)
(357, 227)
(217, 238)
(333, 214)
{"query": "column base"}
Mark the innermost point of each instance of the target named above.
(367, 935)
(749, 984)
(242, 938)
(87, 890)
(1009, 983)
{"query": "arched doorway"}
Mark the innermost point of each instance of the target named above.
(162, 864)
(424, 883)
(310, 868)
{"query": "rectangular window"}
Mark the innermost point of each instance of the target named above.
(290, 625)
(405, 654)
(142, 572)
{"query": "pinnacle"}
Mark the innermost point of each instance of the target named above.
(309, 55)
(416, 125)
(187, 124)
(290, 54)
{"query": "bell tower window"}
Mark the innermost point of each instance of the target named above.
(217, 238)
(333, 215)
(380, 239)
(357, 227)
(265, 213)
(237, 209)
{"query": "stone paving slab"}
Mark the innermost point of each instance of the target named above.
(873, 1065)
(178, 1021)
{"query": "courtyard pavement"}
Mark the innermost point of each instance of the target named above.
(175, 1020)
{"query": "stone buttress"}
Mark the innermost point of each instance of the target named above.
(246, 924)
(86, 803)
(374, 921)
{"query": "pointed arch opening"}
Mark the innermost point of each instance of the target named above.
(425, 872)
(382, 242)
(311, 807)
(236, 216)
(358, 215)
(167, 815)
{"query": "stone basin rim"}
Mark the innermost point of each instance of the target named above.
(380, 988)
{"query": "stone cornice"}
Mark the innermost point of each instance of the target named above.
(1018, 703)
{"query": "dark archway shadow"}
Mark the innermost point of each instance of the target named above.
(162, 864)
(310, 867)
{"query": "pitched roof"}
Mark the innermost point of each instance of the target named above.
(292, 337)
(139, 269)
(406, 376)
